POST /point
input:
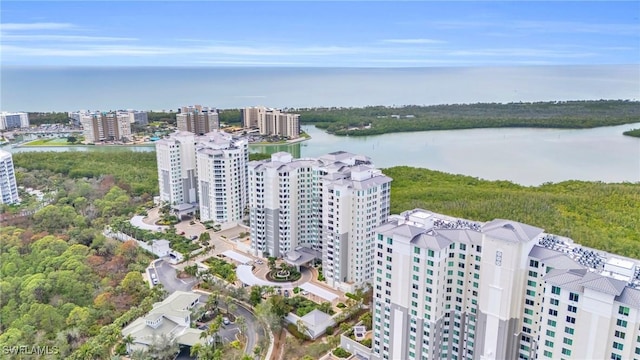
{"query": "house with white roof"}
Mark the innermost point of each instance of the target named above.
(168, 320)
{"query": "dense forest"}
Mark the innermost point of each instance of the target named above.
(62, 283)
(48, 118)
(594, 214)
(567, 114)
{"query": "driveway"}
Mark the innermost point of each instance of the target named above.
(255, 331)
(167, 277)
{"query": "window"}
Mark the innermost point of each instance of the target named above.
(616, 357)
(548, 343)
(623, 310)
(533, 263)
(571, 320)
(531, 283)
(566, 352)
(548, 354)
(533, 273)
(551, 323)
(617, 345)
(619, 334)
(622, 323)
(573, 296)
(416, 250)
(553, 312)
(568, 330)
(572, 309)
(554, 301)
(555, 290)
(567, 341)
(551, 333)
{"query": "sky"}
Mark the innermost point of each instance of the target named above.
(318, 33)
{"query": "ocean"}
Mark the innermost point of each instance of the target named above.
(164, 88)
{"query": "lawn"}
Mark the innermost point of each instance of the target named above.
(49, 142)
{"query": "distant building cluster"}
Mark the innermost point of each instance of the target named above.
(198, 119)
(17, 120)
(107, 126)
(205, 171)
(449, 288)
(8, 186)
(271, 122)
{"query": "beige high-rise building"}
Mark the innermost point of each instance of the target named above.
(271, 122)
(99, 127)
(198, 119)
(450, 288)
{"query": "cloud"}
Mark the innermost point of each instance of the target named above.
(413, 41)
(63, 38)
(36, 26)
(509, 27)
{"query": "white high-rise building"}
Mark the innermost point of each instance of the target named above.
(14, 120)
(331, 204)
(222, 177)
(449, 288)
(8, 187)
(177, 174)
(284, 205)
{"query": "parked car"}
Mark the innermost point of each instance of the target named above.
(182, 232)
(225, 320)
(193, 237)
(304, 292)
(286, 293)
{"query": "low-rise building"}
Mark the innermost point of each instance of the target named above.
(168, 321)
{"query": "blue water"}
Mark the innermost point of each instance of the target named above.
(156, 88)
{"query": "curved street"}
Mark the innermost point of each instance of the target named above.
(167, 277)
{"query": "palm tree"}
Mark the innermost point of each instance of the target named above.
(127, 341)
(242, 325)
(304, 330)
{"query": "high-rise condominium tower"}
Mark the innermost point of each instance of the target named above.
(177, 174)
(222, 177)
(331, 204)
(8, 187)
(449, 288)
(198, 119)
(271, 121)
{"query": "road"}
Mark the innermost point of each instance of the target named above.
(167, 277)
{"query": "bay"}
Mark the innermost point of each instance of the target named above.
(526, 156)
